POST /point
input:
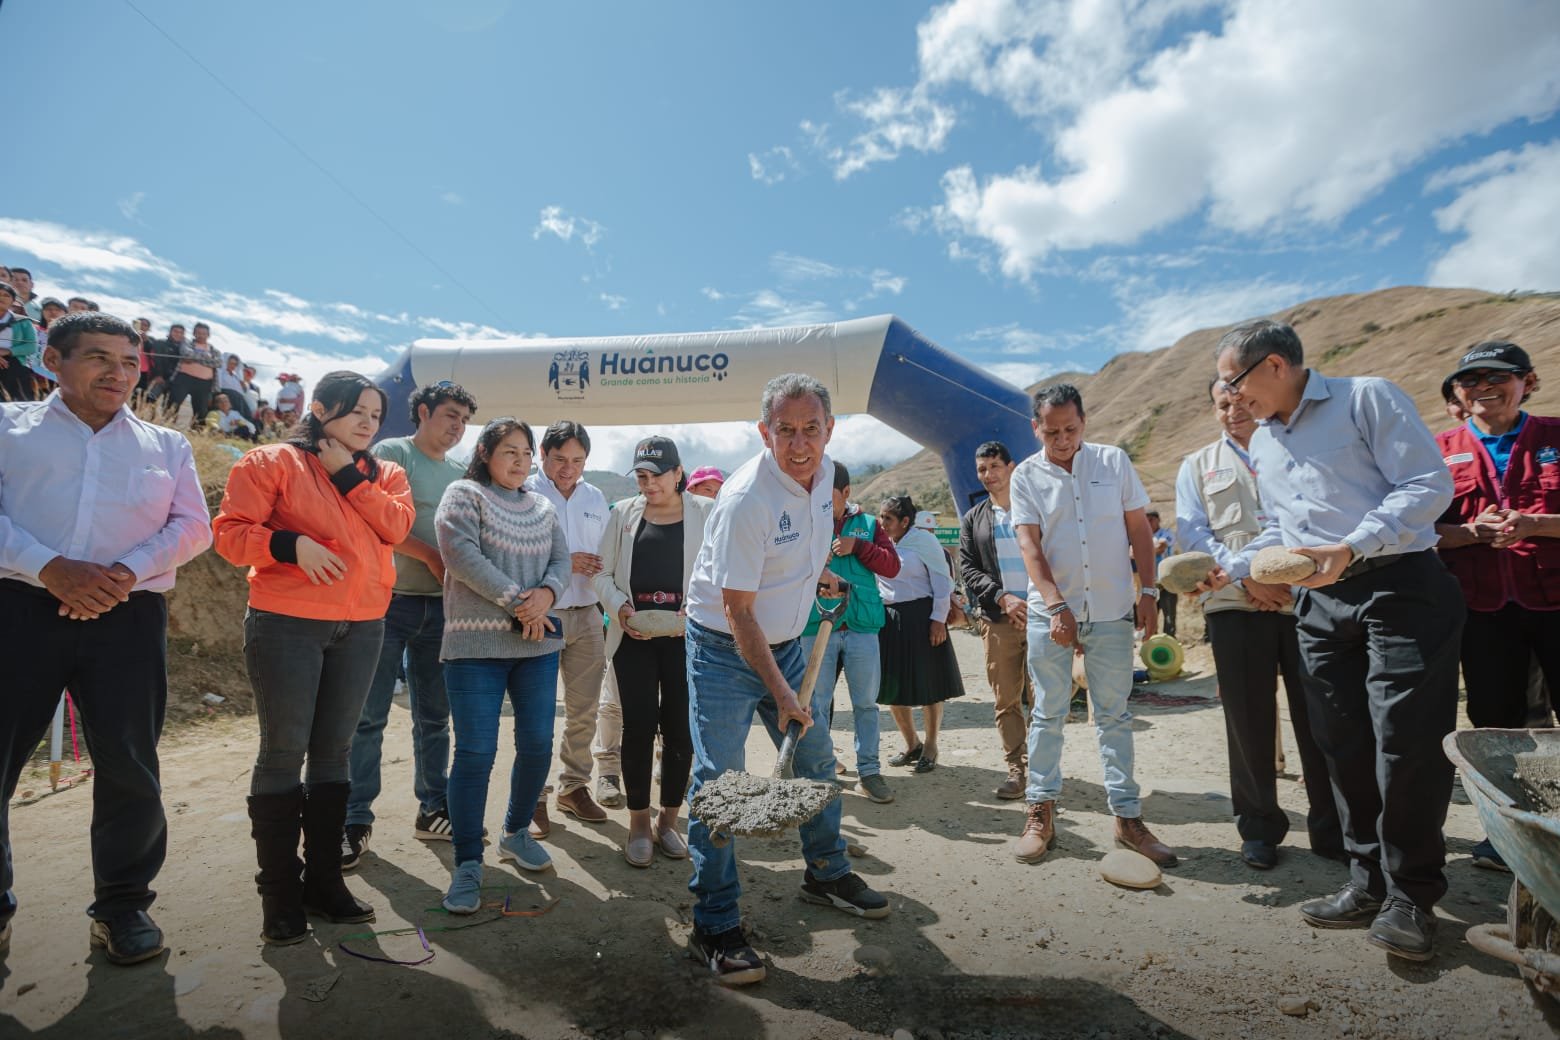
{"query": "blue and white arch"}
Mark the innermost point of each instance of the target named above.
(878, 365)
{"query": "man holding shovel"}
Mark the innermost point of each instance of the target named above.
(763, 561)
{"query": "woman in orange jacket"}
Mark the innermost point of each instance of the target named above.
(314, 519)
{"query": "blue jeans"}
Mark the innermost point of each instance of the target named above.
(1107, 662)
(723, 695)
(414, 625)
(476, 689)
(863, 670)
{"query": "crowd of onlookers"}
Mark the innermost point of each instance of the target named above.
(184, 365)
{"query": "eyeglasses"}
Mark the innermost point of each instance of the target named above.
(1232, 386)
(1470, 380)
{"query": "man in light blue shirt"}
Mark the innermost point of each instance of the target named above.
(1351, 477)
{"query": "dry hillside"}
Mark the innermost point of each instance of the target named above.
(1155, 404)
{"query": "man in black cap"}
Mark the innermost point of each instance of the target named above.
(1501, 537)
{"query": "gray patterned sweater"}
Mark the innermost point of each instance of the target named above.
(496, 544)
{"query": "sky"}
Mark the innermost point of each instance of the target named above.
(1036, 185)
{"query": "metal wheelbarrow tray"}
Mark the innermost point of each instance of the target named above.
(1526, 837)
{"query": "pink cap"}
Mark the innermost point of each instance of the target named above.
(704, 473)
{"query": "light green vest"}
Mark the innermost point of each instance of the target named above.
(864, 609)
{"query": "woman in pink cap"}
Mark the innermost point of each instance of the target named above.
(705, 482)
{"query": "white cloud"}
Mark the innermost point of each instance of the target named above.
(613, 302)
(767, 307)
(1022, 374)
(1157, 319)
(1259, 124)
(861, 439)
(1014, 338)
(1505, 216)
(711, 293)
(452, 198)
(552, 220)
(772, 166)
(130, 205)
(887, 282)
(77, 250)
(801, 268)
(896, 120)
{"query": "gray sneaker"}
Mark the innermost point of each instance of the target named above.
(876, 788)
(523, 850)
(465, 894)
(609, 792)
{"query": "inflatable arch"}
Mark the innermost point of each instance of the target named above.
(878, 365)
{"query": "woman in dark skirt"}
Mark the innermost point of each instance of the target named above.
(919, 668)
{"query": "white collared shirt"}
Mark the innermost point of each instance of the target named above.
(769, 535)
(1083, 532)
(923, 573)
(126, 494)
(584, 518)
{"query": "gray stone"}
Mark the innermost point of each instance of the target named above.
(1276, 565)
(1183, 572)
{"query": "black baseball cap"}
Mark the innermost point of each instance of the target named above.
(1496, 355)
(656, 455)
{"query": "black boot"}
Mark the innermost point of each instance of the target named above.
(324, 893)
(274, 821)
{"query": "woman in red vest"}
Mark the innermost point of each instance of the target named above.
(1501, 537)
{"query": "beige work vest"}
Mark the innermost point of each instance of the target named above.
(1229, 497)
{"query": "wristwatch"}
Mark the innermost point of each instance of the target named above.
(1151, 591)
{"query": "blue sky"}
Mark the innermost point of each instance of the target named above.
(1034, 184)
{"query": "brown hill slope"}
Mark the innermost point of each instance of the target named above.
(1155, 404)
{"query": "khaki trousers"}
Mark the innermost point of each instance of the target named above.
(1007, 671)
(609, 731)
(581, 665)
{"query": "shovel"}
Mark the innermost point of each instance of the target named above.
(741, 803)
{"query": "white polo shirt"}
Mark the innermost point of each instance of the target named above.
(1083, 533)
(584, 518)
(769, 535)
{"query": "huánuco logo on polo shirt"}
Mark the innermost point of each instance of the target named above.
(786, 534)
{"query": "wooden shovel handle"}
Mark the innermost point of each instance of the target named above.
(793, 732)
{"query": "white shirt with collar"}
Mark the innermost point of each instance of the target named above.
(1083, 532)
(127, 493)
(584, 518)
(769, 535)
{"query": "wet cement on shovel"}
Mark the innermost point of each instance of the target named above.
(1539, 777)
(758, 806)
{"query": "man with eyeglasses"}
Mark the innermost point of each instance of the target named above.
(1501, 537)
(1351, 477)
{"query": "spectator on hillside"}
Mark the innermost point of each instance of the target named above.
(230, 380)
(143, 331)
(1454, 407)
(196, 374)
(26, 300)
(80, 304)
(1351, 478)
(18, 344)
(51, 309)
(993, 570)
(82, 475)
(706, 481)
(227, 420)
(251, 391)
(289, 399)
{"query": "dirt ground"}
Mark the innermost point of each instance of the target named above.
(978, 945)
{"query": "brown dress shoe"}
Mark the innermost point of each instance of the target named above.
(1134, 834)
(1039, 833)
(578, 804)
(1012, 788)
(541, 826)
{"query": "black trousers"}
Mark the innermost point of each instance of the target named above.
(652, 681)
(117, 673)
(197, 390)
(1167, 604)
(1497, 647)
(1380, 652)
(1251, 649)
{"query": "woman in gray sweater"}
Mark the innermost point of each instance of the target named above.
(506, 561)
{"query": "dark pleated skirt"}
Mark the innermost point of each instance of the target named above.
(914, 671)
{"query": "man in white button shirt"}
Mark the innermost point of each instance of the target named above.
(97, 511)
(582, 510)
(765, 551)
(1077, 510)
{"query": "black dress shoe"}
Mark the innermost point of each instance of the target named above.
(1403, 930)
(1349, 907)
(1259, 854)
(127, 938)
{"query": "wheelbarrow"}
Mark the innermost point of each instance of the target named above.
(1524, 827)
